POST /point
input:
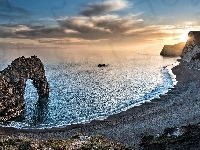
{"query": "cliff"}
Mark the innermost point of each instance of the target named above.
(172, 50)
(191, 51)
(184, 136)
(13, 82)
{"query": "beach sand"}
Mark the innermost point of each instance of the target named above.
(179, 106)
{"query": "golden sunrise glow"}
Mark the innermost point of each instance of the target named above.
(184, 37)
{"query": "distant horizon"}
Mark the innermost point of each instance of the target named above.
(113, 25)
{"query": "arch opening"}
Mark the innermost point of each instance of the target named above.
(35, 108)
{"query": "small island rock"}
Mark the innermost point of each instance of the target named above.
(102, 65)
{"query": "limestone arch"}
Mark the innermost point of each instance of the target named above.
(13, 82)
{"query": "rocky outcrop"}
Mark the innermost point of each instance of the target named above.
(184, 137)
(13, 82)
(191, 51)
(102, 65)
(172, 50)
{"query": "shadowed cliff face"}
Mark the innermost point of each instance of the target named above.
(172, 50)
(13, 82)
(191, 51)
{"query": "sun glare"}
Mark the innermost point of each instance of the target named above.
(183, 37)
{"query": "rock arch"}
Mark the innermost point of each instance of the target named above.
(13, 82)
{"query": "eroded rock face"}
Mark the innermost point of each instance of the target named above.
(13, 82)
(172, 50)
(191, 51)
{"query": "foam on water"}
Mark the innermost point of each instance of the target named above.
(81, 92)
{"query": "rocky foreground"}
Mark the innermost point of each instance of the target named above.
(77, 142)
(177, 138)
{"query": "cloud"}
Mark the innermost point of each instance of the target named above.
(109, 27)
(66, 41)
(7, 31)
(41, 32)
(88, 28)
(25, 31)
(97, 29)
(101, 26)
(106, 6)
(4, 34)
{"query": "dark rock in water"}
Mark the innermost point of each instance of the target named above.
(13, 82)
(172, 50)
(102, 65)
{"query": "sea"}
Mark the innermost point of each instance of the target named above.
(80, 91)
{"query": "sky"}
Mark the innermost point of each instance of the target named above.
(97, 24)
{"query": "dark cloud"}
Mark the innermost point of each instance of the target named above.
(115, 26)
(95, 9)
(99, 27)
(29, 31)
(5, 34)
(78, 24)
(41, 32)
(106, 6)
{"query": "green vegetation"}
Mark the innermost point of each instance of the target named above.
(100, 143)
(188, 138)
(77, 142)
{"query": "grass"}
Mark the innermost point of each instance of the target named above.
(77, 142)
(189, 139)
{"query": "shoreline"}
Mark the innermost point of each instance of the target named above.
(178, 107)
(165, 81)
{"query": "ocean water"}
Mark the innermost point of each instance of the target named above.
(81, 92)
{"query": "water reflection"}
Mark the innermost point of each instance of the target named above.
(36, 116)
(40, 113)
(36, 109)
(81, 92)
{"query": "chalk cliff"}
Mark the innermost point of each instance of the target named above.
(172, 50)
(13, 82)
(191, 51)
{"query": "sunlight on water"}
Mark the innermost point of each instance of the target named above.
(81, 92)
